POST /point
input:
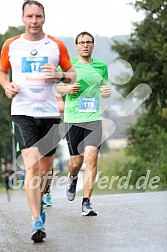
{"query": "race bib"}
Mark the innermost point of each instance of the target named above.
(33, 64)
(35, 86)
(88, 104)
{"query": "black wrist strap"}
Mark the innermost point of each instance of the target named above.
(63, 76)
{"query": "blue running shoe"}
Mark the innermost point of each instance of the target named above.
(47, 199)
(38, 232)
(42, 212)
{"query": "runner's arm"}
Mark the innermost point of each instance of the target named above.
(10, 88)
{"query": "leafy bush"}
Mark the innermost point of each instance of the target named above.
(121, 173)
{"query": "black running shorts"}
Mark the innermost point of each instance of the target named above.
(39, 132)
(80, 135)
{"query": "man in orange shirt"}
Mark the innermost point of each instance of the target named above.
(35, 113)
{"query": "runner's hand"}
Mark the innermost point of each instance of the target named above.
(105, 91)
(51, 72)
(11, 90)
(72, 88)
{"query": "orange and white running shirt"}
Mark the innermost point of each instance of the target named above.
(37, 96)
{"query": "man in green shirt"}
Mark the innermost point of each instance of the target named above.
(83, 122)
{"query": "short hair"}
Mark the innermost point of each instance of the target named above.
(83, 34)
(30, 2)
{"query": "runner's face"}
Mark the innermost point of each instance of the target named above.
(85, 49)
(33, 20)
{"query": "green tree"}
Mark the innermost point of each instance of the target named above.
(5, 128)
(146, 51)
(5, 118)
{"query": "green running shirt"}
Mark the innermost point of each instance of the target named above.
(84, 105)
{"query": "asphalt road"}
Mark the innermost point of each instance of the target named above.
(125, 222)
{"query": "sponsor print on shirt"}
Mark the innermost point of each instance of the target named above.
(88, 104)
(39, 109)
(35, 85)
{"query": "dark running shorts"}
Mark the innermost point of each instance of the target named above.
(39, 132)
(80, 135)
